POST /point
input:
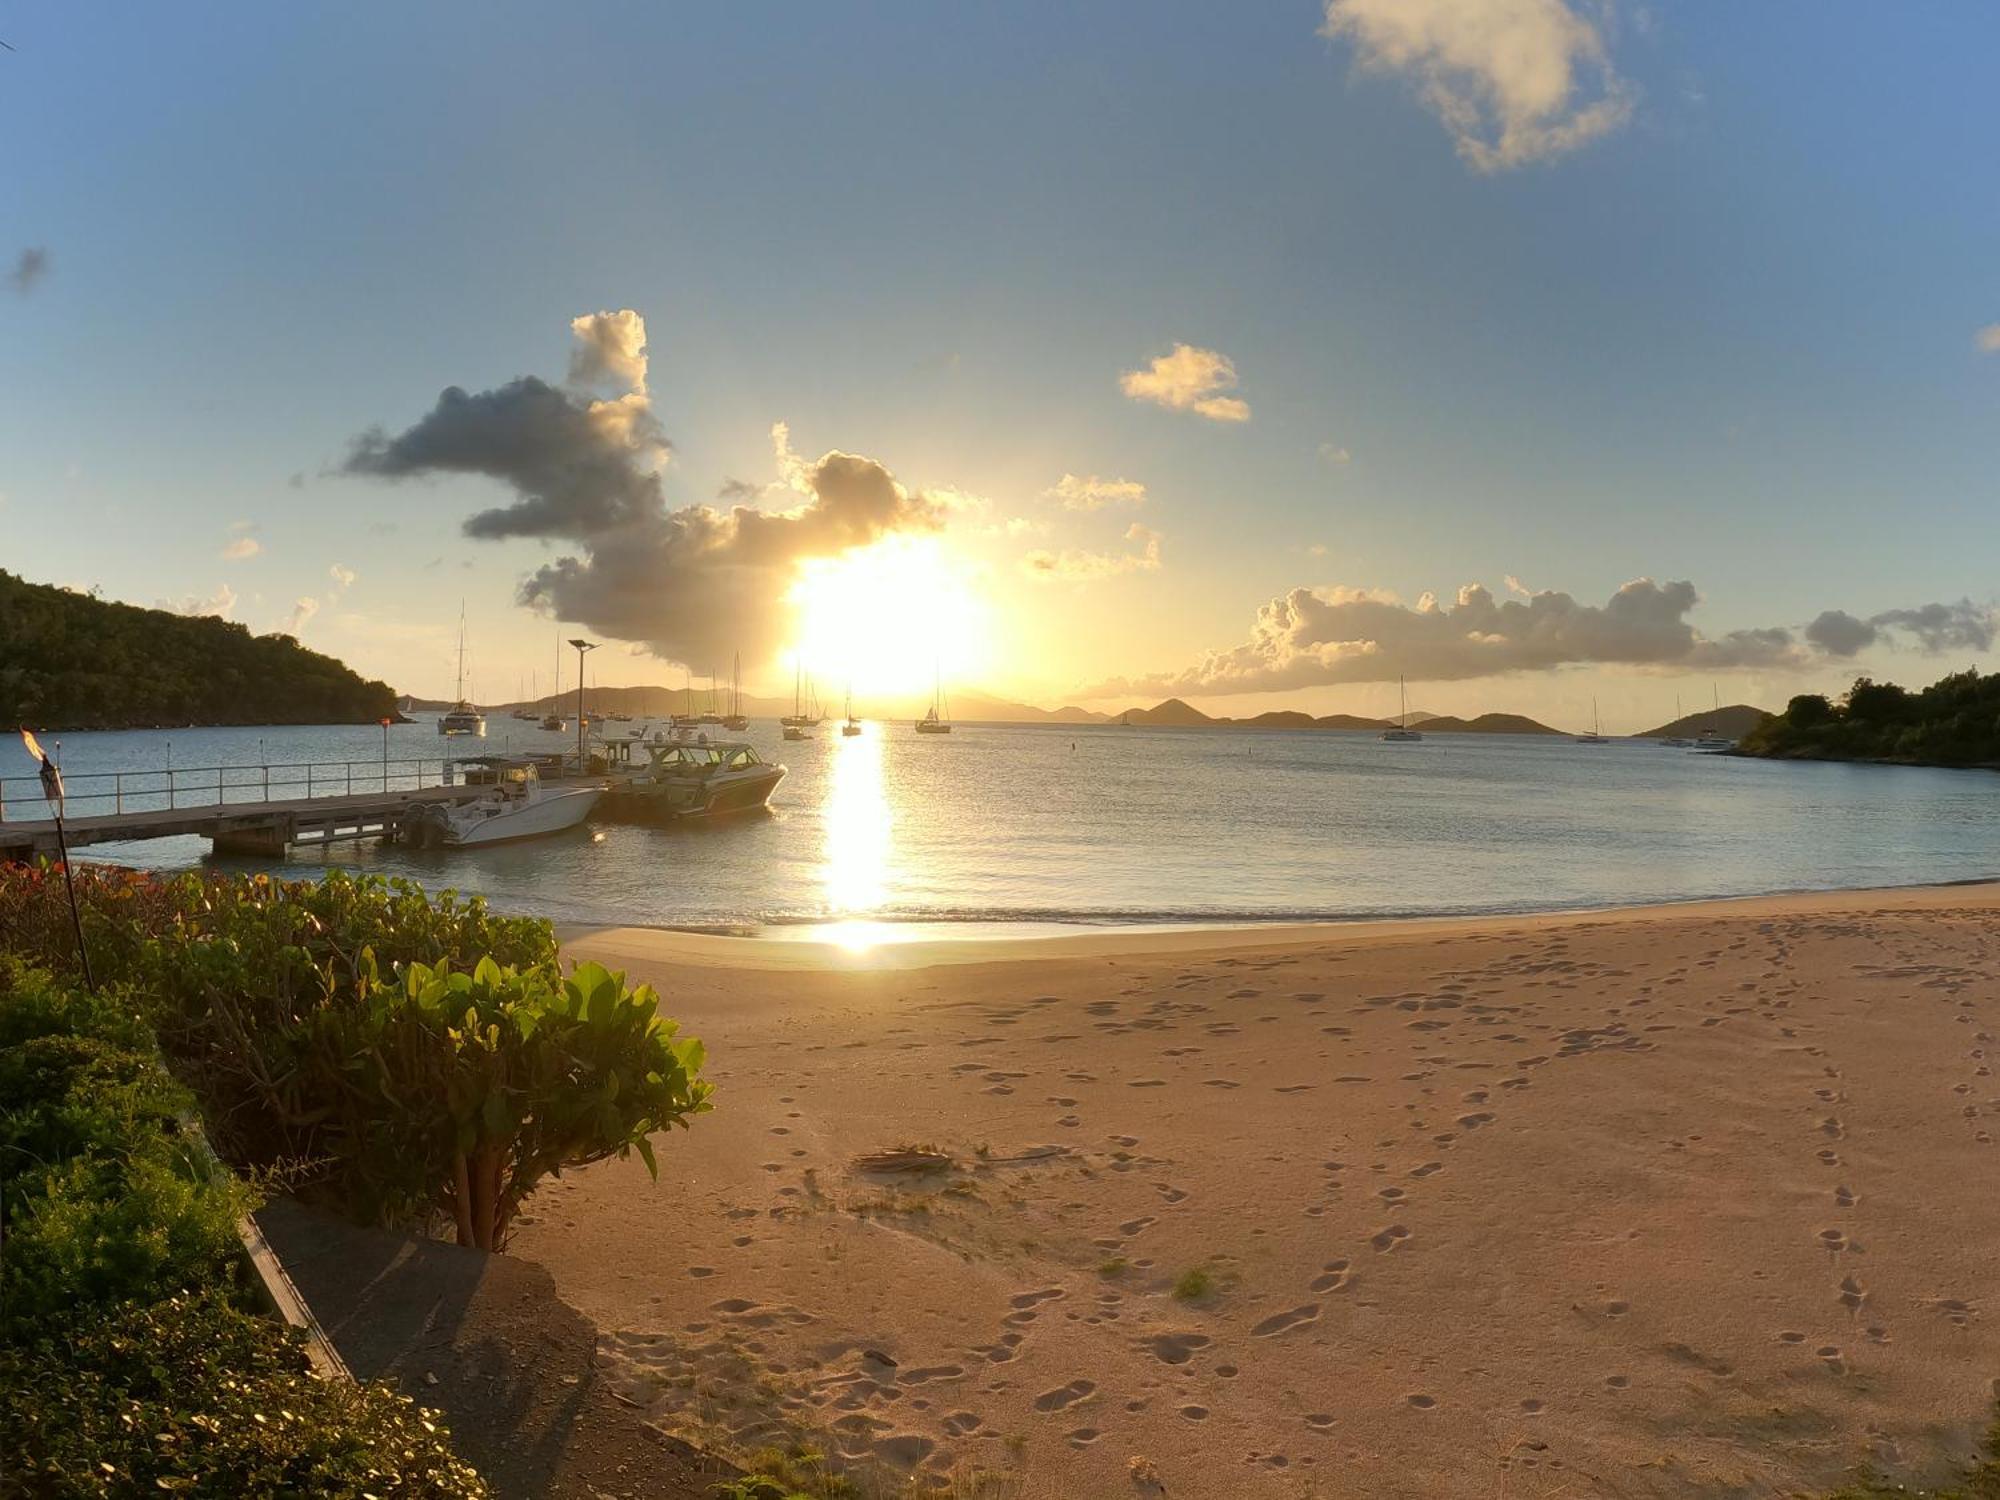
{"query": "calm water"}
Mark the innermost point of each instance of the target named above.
(1105, 824)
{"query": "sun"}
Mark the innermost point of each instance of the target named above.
(886, 617)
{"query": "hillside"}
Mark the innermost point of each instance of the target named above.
(1486, 724)
(657, 702)
(1732, 722)
(1172, 714)
(73, 661)
(1953, 722)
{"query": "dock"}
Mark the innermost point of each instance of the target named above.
(231, 806)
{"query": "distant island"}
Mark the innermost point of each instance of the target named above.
(1178, 714)
(1953, 722)
(70, 660)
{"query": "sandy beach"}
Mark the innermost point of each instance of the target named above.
(1692, 1200)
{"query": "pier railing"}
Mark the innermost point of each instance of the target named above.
(169, 789)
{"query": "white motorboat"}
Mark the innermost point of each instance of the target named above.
(1402, 733)
(691, 779)
(515, 805)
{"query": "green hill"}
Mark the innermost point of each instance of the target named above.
(73, 661)
(1953, 722)
(1731, 722)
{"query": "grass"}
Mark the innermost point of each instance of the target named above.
(1195, 1283)
(1118, 1265)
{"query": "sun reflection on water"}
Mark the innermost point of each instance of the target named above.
(859, 822)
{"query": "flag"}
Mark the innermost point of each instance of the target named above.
(52, 786)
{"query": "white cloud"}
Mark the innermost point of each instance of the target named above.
(1088, 492)
(221, 603)
(1333, 455)
(1189, 379)
(1514, 81)
(1988, 339)
(610, 350)
(343, 578)
(1070, 566)
(241, 548)
(303, 609)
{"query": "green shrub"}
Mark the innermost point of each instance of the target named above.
(193, 1397)
(464, 1090)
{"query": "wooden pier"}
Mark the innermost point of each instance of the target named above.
(164, 805)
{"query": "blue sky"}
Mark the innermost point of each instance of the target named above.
(1732, 338)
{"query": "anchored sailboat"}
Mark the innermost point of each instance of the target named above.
(1402, 732)
(463, 719)
(937, 721)
(736, 719)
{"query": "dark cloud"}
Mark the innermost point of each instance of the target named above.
(738, 489)
(1933, 628)
(30, 266)
(691, 585)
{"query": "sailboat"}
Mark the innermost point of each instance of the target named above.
(736, 719)
(463, 719)
(937, 720)
(1677, 741)
(798, 721)
(524, 712)
(853, 726)
(708, 714)
(1402, 732)
(1594, 737)
(1711, 738)
(553, 719)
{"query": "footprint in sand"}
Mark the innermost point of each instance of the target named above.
(1852, 1293)
(1065, 1395)
(1175, 1348)
(1833, 1240)
(1195, 1413)
(1427, 1169)
(1170, 1193)
(1134, 1226)
(1284, 1322)
(1391, 1195)
(1420, 1401)
(1832, 1127)
(1830, 1356)
(1388, 1239)
(959, 1423)
(1844, 1197)
(1035, 1299)
(1083, 1437)
(1333, 1278)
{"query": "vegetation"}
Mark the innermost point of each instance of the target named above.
(71, 660)
(1953, 722)
(128, 1361)
(1193, 1284)
(395, 1055)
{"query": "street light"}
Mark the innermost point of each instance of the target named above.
(581, 646)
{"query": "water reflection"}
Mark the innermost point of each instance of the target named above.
(858, 826)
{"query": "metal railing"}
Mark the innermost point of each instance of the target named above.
(116, 792)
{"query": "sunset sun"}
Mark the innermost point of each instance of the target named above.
(885, 618)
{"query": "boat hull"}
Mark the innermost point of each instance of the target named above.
(551, 812)
(692, 797)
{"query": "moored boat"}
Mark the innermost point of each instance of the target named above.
(515, 805)
(685, 779)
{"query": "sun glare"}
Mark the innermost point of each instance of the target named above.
(884, 618)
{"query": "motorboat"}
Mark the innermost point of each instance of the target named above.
(683, 779)
(1714, 742)
(796, 732)
(1402, 733)
(514, 804)
(462, 718)
(555, 721)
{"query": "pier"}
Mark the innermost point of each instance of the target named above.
(257, 809)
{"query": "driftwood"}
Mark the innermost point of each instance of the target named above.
(906, 1159)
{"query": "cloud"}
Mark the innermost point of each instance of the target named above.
(1988, 339)
(1514, 81)
(343, 579)
(1189, 379)
(739, 489)
(610, 350)
(691, 585)
(241, 549)
(221, 603)
(1333, 455)
(303, 609)
(30, 266)
(1930, 628)
(1070, 566)
(1088, 492)
(1316, 637)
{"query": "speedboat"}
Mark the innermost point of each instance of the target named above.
(556, 722)
(692, 780)
(514, 805)
(796, 732)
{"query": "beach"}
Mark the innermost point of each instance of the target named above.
(1677, 1200)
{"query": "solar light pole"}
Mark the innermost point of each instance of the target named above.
(581, 647)
(52, 790)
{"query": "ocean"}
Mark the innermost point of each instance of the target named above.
(1035, 824)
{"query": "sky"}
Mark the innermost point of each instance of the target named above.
(1538, 351)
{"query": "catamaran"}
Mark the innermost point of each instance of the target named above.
(463, 718)
(1402, 732)
(937, 720)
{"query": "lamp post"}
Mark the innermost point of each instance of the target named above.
(385, 757)
(52, 790)
(581, 647)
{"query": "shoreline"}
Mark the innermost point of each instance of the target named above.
(868, 944)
